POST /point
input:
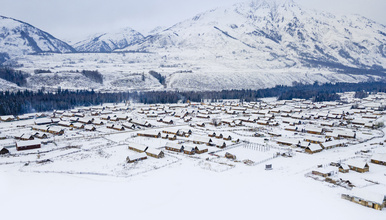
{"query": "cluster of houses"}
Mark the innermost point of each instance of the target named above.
(143, 152)
(357, 195)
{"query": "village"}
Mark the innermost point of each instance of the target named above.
(341, 144)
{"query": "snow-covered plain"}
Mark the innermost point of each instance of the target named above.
(88, 176)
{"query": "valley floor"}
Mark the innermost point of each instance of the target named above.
(86, 176)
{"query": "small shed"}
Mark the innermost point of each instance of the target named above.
(344, 168)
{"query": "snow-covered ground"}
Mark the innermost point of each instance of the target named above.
(84, 174)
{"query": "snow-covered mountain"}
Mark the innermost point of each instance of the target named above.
(276, 34)
(107, 42)
(18, 38)
(251, 45)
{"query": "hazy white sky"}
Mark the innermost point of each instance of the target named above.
(76, 19)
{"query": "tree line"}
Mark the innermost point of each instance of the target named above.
(21, 102)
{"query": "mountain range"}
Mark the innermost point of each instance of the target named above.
(255, 42)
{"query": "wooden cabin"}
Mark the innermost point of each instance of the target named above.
(332, 144)
(153, 134)
(200, 124)
(138, 147)
(136, 157)
(172, 137)
(379, 159)
(174, 147)
(212, 134)
(43, 121)
(315, 140)
(7, 118)
(366, 198)
(287, 141)
(89, 128)
(128, 125)
(344, 168)
(358, 165)
(56, 130)
(200, 149)
(85, 120)
(201, 140)
(164, 136)
(175, 131)
(140, 123)
(65, 124)
(40, 128)
(27, 145)
(219, 143)
(323, 172)
(119, 127)
(41, 135)
(313, 130)
(98, 122)
(190, 150)
(152, 152)
(78, 125)
(313, 148)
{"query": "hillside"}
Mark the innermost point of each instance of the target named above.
(20, 38)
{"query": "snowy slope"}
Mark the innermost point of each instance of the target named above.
(276, 34)
(18, 38)
(107, 42)
(252, 45)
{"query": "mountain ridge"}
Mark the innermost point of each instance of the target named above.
(20, 38)
(108, 42)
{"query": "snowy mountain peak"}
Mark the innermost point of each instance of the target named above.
(276, 34)
(18, 38)
(107, 42)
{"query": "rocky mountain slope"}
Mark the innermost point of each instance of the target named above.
(277, 34)
(107, 42)
(19, 38)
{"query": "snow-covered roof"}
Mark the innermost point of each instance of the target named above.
(356, 163)
(333, 143)
(132, 157)
(379, 157)
(153, 151)
(368, 195)
(137, 146)
(314, 147)
(27, 143)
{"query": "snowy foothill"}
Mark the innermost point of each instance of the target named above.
(256, 163)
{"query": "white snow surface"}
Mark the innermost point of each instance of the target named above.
(167, 188)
